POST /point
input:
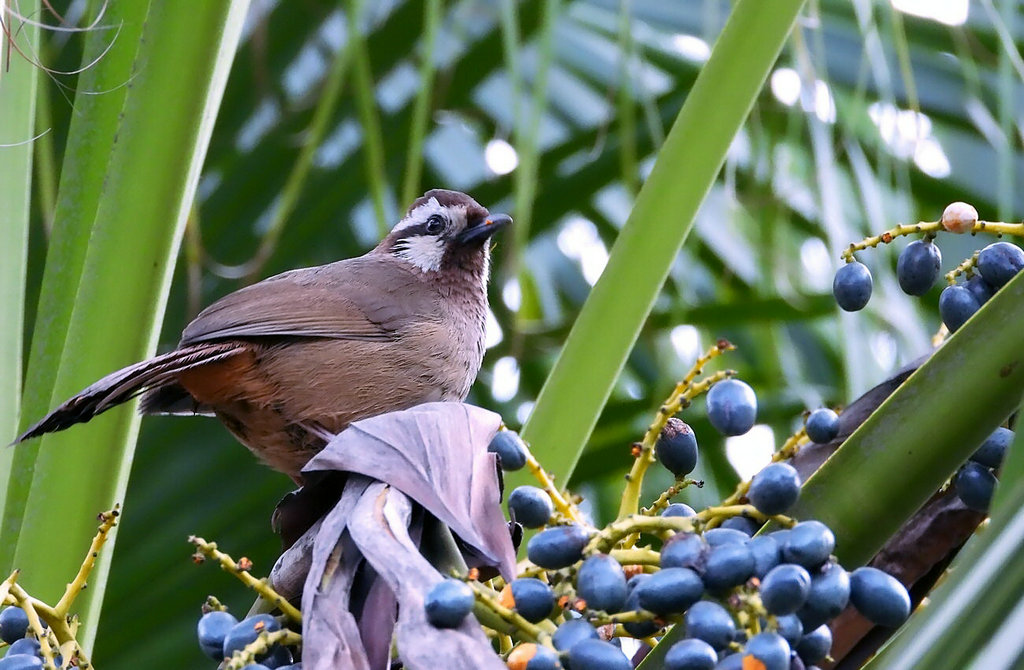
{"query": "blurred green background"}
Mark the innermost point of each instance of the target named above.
(553, 112)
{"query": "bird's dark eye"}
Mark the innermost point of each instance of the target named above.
(435, 224)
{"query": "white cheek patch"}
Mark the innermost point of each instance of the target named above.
(424, 251)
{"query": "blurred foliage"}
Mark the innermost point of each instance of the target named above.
(872, 118)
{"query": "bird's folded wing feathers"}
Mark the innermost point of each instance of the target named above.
(333, 301)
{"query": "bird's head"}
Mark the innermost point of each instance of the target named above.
(444, 230)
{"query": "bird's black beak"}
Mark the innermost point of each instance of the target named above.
(483, 229)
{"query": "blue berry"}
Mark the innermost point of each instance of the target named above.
(809, 544)
(597, 655)
(991, 454)
(637, 629)
(13, 624)
(728, 565)
(775, 488)
(255, 666)
(535, 657)
(278, 657)
(685, 550)
(975, 485)
(510, 449)
(212, 628)
(567, 635)
(822, 425)
(956, 305)
(852, 286)
(766, 552)
(448, 603)
(601, 583)
(557, 547)
(830, 592)
(679, 509)
(879, 597)
(732, 407)
(814, 646)
(246, 631)
(979, 288)
(999, 262)
(27, 646)
(918, 267)
(769, 648)
(533, 598)
(790, 628)
(20, 662)
(691, 655)
(744, 524)
(731, 661)
(710, 622)
(530, 506)
(784, 589)
(676, 447)
(717, 536)
(670, 591)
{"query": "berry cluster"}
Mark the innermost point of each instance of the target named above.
(976, 481)
(733, 582)
(25, 652)
(918, 267)
(221, 635)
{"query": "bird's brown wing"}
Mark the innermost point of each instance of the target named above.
(365, 298)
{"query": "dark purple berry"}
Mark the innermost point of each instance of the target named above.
(601, 583)
(979, 288)
(766, 554)
(27, 646)
(744, 524)
(679, 509)
(975, 485)
(830, 592)
(732, 407)
(784, 589)
(956, 305)
(999, 262)
(212, 628)
(728, 565)
(790, 628)
(710, 622)
(530, 506)
(769, 648)
(557, 547)
(879, 596)
(676, 447)
(448, 603)
(852, 286)
(637, 629)
(597, 655)
(13, 624)
(510, 449)
(670, 591)
(691, 654)
(814, 646)
(246, 631)
(533, 598)
(918, 267)
(685, 550)
(21, 662)
(822, 425)
(809, 544)
(571, 632)
(775, 488)
(717, 536)
(991, 454)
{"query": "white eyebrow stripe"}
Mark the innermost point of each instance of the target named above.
(421, 214)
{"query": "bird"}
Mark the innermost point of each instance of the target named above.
(290, 361)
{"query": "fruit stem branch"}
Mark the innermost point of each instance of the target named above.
(261, 645)
(610, 535)
(240, 570)
(107, 522)
(685, 391)
(636, 556)
(669, 493)
(502, 619)
(966, 267)
(564, 507)
(889, 235)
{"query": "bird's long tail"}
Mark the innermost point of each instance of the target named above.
(126, 383)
